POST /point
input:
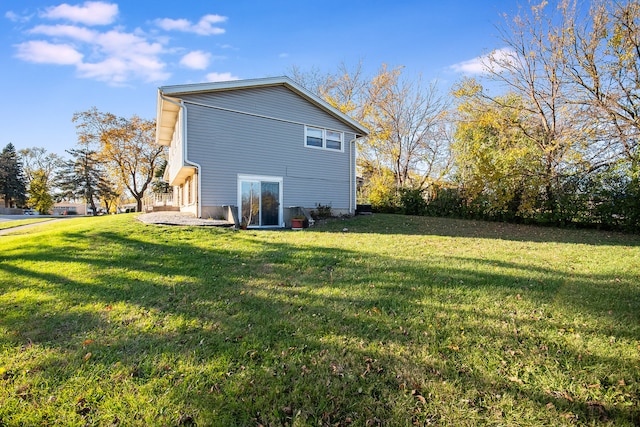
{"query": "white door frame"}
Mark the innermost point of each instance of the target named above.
(259, 178)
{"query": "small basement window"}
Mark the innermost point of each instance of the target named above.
(323, 138)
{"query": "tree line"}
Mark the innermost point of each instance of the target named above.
(114, 158)
(548, 134)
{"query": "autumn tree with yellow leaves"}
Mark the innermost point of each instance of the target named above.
(408, 142)
(569, 79)
(126, 146)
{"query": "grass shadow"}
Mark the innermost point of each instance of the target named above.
(235, 328)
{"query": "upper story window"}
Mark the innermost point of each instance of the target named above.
(323, 138)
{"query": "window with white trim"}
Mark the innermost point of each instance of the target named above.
(323, 138)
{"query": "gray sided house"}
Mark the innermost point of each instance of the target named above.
(256, 151)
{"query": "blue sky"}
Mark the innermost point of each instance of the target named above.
(61, 57)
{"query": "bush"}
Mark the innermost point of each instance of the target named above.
(412, 201)
(445, 202)
(383, 200)
(322, 211)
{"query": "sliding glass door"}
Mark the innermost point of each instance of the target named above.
(260, 201)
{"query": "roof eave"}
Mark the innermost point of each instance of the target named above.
(167, 115)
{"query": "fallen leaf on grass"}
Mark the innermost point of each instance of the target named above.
(418, 396)
(87, 342)
(515, 380)
(87, 356)
(23, 392)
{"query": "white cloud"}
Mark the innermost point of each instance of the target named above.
(169, 24)
(43, 52)
(485, 63)
(472, 66)
(283, 55)
(204, 27)
(125, 55)
(113, 70)
(196, 60)
(118, 71)
(90, 13)
(113, 54)
(14, 17)
(220, 77)
(127, 44)
(69, 31)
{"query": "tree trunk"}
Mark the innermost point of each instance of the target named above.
(138, 203)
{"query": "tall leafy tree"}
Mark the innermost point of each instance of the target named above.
(499, 169)
(40, 168)
(40, 197)
(83, 177)
(12, 180)
(604, 59)
(580, 77)
(126, 146)
(407, 122)
(533, 67)
(408, 133)
(604, 68)
(38, 159)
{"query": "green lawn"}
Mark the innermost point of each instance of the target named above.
(17, 223)
(396, 321)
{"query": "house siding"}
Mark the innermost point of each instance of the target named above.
(227, 143)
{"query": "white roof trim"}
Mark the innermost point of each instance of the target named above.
(177, 90)
(166, 117)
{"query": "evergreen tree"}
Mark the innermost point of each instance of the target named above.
(13, 186)
(159, 185)
(82, 177)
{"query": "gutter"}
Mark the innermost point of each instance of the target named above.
(352, 178)
(185, 160)
(352, 168)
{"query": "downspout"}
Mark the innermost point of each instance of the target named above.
(352, 176)
(185, 160)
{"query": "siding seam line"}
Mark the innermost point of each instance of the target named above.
(230, 110)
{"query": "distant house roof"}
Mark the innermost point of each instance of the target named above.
(168, 111)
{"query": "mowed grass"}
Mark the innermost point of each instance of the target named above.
(395, 321)
(19, 222)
